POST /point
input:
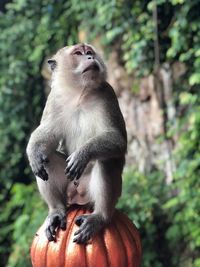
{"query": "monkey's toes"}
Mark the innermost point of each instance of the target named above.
(79, 220)
(50, 234)
(89, 226)
(54, 222)
(82, 236)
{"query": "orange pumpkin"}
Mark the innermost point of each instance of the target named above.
(117, 245)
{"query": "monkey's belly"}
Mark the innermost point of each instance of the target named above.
(78, 194)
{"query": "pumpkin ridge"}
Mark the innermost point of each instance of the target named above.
(134, 233)
(58, 242)
(70, 228)
(121, 239)
(66, 234)
(34, 246)
(46, 252)
(134, 241)
(83, 246)
(85, 250)
(85, 253)
(113, 245)
(105, 248)
(128, 241)
(41, 240)
(35, 242)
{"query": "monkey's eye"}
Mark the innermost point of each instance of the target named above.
(89, 52)
(78, 53)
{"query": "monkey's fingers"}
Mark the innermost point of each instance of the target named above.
(72, 172)
(70, 164)
(68, 174)
(42, 174)
(67, 170)
(50, 234)
(78, 174)
(70, 160)
(73, 176)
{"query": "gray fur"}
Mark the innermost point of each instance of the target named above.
(83, 118)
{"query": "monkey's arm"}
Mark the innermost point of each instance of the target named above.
(110, 144)
(42, 142)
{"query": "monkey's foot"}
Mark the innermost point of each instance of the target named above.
(53, 222)
(89, 226)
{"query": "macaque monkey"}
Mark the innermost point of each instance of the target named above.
(77, 153)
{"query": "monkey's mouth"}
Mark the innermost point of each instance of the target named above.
(92, 67)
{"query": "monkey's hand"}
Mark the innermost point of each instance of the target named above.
(76, 164)
(38, 165)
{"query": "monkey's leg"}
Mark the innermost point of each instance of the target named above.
(104, 189)
(53, 192)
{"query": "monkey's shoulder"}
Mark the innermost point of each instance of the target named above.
(112, 109)
(109, 100)
(107, 90)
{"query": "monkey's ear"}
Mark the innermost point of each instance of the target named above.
(52, 63)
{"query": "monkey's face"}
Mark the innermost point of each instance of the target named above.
(78, 65)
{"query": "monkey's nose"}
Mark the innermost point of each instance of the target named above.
(90, 57)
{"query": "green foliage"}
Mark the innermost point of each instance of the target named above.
(142, 199)
(184, 206)
(28, 212)
(185, 38)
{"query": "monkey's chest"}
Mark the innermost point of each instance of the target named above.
(80, 129)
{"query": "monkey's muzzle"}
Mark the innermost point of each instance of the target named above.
(92, 67)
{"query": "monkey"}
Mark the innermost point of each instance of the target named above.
(77, 152)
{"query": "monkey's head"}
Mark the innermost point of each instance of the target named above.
(78, 66)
